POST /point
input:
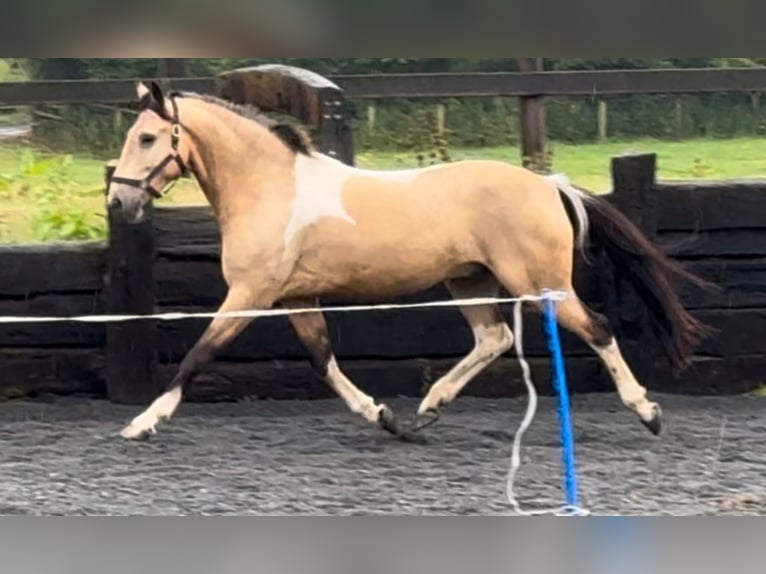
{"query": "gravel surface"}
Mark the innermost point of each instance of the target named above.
(64, 457)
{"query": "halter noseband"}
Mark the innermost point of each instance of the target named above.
(175, 137)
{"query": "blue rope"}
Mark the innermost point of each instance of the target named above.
(565, 422)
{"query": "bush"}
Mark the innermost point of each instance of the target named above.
(59, 214)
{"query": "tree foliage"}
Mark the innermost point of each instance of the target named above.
(58, 68)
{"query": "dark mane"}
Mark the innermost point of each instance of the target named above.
(290, 135)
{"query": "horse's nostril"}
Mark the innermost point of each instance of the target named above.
(114, 204)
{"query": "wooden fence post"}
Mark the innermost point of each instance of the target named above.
(603, 120)
(131, 352)
(532, 122)
(372, 117)
(678, 118)
(441, 119)
(635, 195)
(334, 134)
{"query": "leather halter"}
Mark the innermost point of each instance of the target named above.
(146, 183)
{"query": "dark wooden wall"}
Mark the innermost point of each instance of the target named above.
(718, 229)
(60, 280)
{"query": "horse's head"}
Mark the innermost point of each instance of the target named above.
(154, 155)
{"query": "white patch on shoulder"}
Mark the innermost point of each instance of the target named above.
(319, 185)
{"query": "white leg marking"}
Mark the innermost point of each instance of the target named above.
(491, 343)
(161, 409)
(356, 400)
(633, 395)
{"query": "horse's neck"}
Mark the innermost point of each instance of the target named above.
(226, 155)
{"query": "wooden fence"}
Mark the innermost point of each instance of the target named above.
(531, 86)
(595, 83)
(172, 263)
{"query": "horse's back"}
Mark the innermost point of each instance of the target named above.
(459, 198)
(465, 180)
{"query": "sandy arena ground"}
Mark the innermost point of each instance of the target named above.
(64, 457)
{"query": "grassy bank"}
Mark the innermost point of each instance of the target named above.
(48, 197)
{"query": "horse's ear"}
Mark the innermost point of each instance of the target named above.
(152, 98)
(142, 91)
(157, 93)
(144, 96)
(158, 100)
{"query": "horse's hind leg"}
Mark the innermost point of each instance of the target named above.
(594, 329)
(311, 329)
(492, 337)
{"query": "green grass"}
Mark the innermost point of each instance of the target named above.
(587, 166)
(10, 73)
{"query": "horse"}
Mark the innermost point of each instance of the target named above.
(297, 227)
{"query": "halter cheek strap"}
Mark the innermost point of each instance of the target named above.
(175, 138)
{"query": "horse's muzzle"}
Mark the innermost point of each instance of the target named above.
(130, 211)
(114, 205)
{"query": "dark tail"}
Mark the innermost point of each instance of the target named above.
(653, 274)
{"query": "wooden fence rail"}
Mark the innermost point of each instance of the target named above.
(413, 86)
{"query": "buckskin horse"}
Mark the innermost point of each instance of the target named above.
(298, 226)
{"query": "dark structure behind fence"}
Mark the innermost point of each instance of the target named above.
(717, 228)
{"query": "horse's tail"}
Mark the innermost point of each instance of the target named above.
(650, 271)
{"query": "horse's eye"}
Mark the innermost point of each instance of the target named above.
(147, 139)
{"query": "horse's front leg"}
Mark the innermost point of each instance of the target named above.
(218, 335)
(311, 329)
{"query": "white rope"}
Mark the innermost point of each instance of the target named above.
(259, 313)
(518, 329)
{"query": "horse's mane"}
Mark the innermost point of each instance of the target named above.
(290, 134)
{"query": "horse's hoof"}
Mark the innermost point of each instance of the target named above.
(141, 428)
(136, 434)
(426, 419)
(412, 438)
(654, 424)
(387, 421)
